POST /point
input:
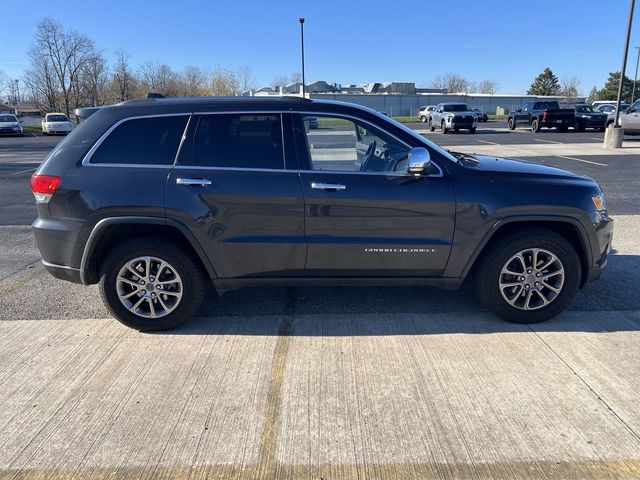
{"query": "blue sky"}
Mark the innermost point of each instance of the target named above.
(347, 41)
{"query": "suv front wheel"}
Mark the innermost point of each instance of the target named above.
(149, 284)
(529, 276)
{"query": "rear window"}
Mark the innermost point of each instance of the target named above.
(57, 118)
(239, 141)
(546, 106)
(8, 118)
(143, 141)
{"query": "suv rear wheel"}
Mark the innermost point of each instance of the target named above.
(423, 119)
(529, 276)
(149, 284)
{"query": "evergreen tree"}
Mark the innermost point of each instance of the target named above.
(545, 84)
(610, 89)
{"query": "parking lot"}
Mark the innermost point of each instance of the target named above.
(398, 382)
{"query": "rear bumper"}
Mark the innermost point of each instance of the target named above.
(60, 246)
(63, 272)
(559, 122)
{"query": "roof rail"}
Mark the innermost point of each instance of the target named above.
(154, 95)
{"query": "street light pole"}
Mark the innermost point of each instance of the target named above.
(635, 77)
(302, 49)
(616, 123)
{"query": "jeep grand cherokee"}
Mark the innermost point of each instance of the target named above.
(153, 198)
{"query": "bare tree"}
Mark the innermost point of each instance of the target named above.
(488, 86)
(280, 81)
(42, 83)
(223, 82)
(92, 85)
(3, 83)
(192, 81)
(569, 89)
(453, 82)
(62, 55)
(246, 79)
(123, 79)
(295, 77)
(159, 78)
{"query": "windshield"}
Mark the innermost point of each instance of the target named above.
(8, 118)
(456, 107)
(57, 118)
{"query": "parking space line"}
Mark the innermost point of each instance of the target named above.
(550, 141)
(582, 160)
(598, 139)
(488, 142)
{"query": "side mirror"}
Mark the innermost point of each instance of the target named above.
(629, 110)
(419, 161)
(518, 109)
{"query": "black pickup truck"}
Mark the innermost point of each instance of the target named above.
(542, 114)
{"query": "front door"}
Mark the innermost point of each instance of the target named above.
(365, 216)
(235, 189)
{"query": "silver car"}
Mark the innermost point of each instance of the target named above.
(453, 116)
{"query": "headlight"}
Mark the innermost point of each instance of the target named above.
(599, 202)
(584, 116)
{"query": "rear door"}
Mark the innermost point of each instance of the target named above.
(366, 216)
(235, 188)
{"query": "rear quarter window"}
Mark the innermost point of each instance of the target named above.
(142, 141)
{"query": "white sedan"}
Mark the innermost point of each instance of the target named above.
(56, 123)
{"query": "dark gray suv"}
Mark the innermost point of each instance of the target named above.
(154, 198)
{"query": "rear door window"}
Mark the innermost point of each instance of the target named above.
(143, 141)
(252, 141)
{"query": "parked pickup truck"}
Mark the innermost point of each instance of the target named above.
(542, 114)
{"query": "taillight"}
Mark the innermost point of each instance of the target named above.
(544, 116)
(43, 186)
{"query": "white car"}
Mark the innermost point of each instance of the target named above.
(56, 123)
(9, 125)
(423, 113)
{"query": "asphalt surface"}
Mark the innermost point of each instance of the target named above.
(348, 383)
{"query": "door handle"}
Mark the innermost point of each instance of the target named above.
(193, 182)
(327, 186)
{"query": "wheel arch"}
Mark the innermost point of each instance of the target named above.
(108, 232)
(569, 228)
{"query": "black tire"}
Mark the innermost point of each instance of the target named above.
(423, 119)
(563, 129)
(610, 122)
(577, 126)
(431, 126)
(456, 130)
(443, 127)
(185, 265)
(535, 125)
(511, 123)
(488, 274)
(601, 129)
(472, 130)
